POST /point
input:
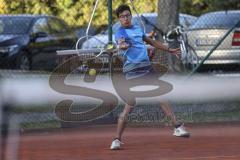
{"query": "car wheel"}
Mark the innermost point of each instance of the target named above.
(24, 61)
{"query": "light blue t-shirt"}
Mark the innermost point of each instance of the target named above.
(136, 55)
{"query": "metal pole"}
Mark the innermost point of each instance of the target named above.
(110, 22)
(1, 122)
(110, 41)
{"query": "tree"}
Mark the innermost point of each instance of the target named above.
(78, 12)
(225, 5)
(168, 14)
(168, 17)
(198, 7)
(3, 8)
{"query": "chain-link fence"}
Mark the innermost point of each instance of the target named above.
(39, 37)
(34, 105)
(44, 117)
(213, 39)
(29, 44)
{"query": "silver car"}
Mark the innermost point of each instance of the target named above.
(208, 30)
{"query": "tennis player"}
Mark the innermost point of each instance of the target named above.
(130, 39)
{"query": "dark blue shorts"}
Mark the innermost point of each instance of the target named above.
(140, 72)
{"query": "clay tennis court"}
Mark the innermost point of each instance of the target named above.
(208, 141)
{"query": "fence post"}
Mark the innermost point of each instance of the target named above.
(110, 22)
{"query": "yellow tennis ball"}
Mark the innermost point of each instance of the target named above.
(92, 72)
(110, 46)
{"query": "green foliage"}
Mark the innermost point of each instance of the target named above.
(198, 7)
(74, 12)
(227, 4)
(78, 12)
(3, 7)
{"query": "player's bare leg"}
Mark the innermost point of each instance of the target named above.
(122, 121)
(179, 129)
(165, 106)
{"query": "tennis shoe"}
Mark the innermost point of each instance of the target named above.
(181, 131)
(116, 144)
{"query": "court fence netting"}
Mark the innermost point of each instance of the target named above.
(40, 102)
(31, 100)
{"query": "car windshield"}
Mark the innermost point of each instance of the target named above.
(14, 25)
(217, 20)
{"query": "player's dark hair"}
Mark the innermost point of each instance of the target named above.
(121, 9)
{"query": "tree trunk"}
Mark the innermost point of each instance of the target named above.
(168, 16)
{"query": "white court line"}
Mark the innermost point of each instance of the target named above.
(207, 157)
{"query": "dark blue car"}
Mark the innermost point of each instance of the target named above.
(31, 41)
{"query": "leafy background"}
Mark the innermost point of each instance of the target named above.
(78, 12)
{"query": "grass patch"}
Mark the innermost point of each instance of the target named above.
(35, 108)
(233, 115)
(41, 125)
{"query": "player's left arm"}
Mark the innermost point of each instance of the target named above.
(159, 45)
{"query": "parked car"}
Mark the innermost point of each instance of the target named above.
(81, 31)
(31, 41)
(208, 30)
(149, 20)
